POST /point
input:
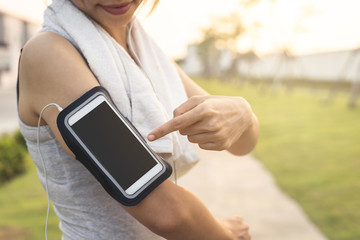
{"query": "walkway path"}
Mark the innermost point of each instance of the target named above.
(229, 186)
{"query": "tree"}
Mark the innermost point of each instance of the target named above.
(222, 34)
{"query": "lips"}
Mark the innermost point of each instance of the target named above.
(117, 9)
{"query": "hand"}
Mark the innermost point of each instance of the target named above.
(213, 122)
(238, 228)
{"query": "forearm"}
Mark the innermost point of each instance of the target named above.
(246, 143)
(174, 213)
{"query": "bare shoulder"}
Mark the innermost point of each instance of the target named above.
(51, 70)
(47, 49)
(49, 59)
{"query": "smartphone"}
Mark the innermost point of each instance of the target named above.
(114, 144)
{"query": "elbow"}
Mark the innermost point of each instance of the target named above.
(247, 141)
(240, 152)
(243, 149)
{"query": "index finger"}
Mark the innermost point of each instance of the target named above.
(174, 124)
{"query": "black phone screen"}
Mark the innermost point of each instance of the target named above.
(114, 145)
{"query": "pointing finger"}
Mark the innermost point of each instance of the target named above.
(166, 128)
(175, 124)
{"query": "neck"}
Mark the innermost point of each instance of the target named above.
(119, 34)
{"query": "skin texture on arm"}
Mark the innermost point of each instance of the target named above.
(52, 70)
(213, 122)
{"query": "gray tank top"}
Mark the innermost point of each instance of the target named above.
(85, 210)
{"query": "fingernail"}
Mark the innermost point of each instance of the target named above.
(151, 137)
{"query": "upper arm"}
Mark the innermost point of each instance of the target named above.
(51, 71)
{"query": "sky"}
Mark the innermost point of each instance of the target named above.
(174, 24)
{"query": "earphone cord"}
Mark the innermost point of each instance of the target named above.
(43, 162)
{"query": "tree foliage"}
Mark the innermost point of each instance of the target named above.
(222, 34)
(12, 156)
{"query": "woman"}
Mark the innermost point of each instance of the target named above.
(57, 66)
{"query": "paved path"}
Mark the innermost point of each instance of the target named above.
(229, 186)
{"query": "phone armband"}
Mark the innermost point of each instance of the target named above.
(111, 148)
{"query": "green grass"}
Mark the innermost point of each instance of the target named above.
(312, 149)
(23, 205)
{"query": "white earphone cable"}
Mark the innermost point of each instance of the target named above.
(43, 162)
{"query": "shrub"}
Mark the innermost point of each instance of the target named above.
(12, 156)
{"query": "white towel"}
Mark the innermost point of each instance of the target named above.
(146, 95)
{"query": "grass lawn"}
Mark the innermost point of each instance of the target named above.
(312, 149)
(23, 205)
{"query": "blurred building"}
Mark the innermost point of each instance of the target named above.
(193, 65)
(330, 66)
(14, 32)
